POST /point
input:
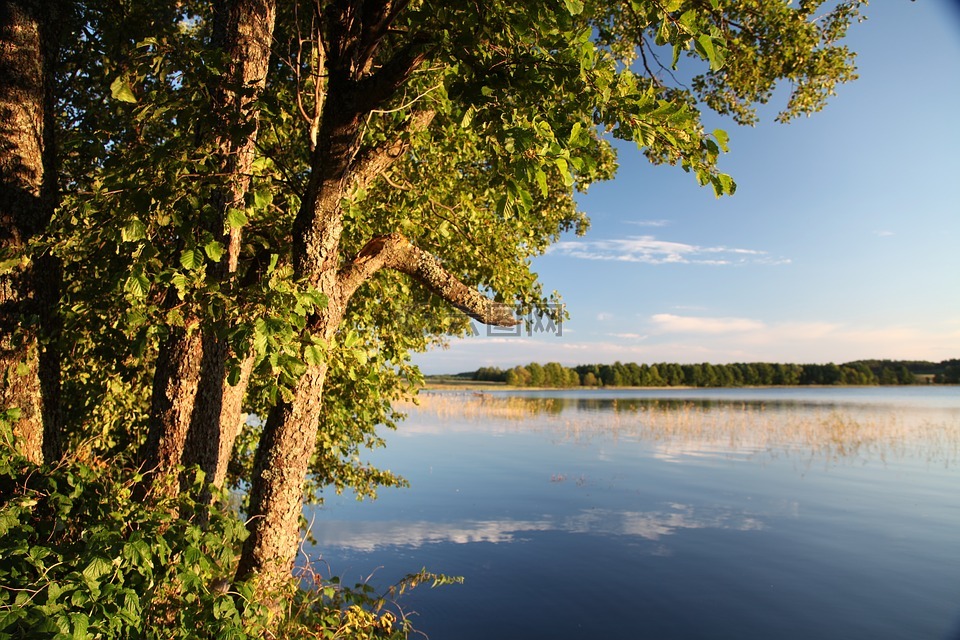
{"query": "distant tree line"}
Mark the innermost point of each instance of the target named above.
(618, 374)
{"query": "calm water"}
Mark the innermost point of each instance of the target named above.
(774, 513)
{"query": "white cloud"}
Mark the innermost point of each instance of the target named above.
(649, 250)
(604, 316)
(648, 223)
(669, 323)
(883, 233)
(629, 336)
(369, 535)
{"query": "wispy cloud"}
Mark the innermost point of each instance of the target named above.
(883, 233)
(629, 336)
(669, 323)
(649, 250)
(648, 223)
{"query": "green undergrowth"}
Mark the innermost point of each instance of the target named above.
(81, 557)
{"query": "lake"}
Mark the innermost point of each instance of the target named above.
(725, 513)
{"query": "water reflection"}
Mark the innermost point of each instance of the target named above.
(717, 427)
(367, 536)
(683, 517)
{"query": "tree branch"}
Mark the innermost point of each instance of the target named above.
(372, 162)
(372, 91)
(394, 251)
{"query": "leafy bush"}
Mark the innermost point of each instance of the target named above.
(81, 557)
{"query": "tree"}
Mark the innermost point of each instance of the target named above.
(519, 376)
(537, 377)
(193, 403)
(29, 284)
(282, 227)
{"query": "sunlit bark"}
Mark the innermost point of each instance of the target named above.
(29, 285)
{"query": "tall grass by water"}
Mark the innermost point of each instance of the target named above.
(700, 427)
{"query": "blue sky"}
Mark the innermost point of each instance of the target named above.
(842, 241)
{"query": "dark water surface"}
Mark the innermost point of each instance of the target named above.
(769, 513)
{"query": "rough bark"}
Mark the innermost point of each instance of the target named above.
(29, 285)
(276, 495)
(289, 435)
(208, 409)
(218, 415)
(171, 407)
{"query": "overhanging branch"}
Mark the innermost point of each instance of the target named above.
(394, 251)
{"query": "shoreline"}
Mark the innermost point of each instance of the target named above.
(480, 385)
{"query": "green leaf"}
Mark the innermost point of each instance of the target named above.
(262, 199)
(134, 230)
(191, 259)
(676, 55)
(260, 337)
(576, 133)
(9, 265)
(313, 355)
(542, 181)
(646, 134)
(261, 164)
(80, 623)
(292, 366)
(97, 568)
(214, 250)
(729, 186)
(120, 90)
(575, 7)
(137, 285)
(564, 169)
(233, 378)
(236, 218)
(722, 138)
(705, 46)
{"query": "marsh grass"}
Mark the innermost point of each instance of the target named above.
(703, 428)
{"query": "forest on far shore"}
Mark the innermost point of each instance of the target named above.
(749, 374)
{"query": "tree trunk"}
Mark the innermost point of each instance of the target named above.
(207, 417)
(337, 166)
(29, 285)
(218, 414)
(171, 407)
(276, 495)
(289, 436)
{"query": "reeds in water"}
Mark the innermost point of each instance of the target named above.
(677, 427)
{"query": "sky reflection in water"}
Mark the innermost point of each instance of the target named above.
(763, 513)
